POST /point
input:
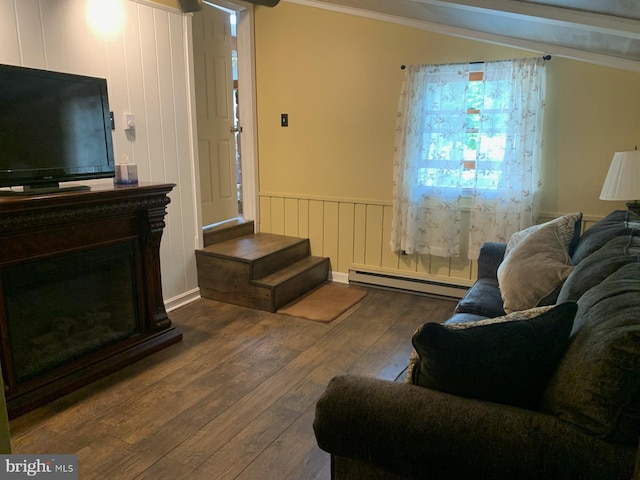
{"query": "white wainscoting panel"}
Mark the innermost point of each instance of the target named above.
(355, 233)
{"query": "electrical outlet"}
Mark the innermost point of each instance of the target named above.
(129, 121)
(284, 119)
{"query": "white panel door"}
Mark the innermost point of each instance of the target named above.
(214, 110)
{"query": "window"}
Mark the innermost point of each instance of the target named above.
(467, 131)
(477, 154)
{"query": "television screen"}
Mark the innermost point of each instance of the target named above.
(54, 127)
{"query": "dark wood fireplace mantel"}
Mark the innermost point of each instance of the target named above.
(58, 234)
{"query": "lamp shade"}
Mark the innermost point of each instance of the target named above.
(623, 178)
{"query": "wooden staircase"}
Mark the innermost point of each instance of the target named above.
(257, 270)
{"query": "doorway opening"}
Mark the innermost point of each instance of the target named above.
(215, 45)
(236, 108)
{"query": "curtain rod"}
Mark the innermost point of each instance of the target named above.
(545, 57)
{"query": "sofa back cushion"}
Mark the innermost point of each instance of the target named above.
(597, 383)
(618, 222)
(615, 254)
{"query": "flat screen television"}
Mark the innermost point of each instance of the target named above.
(54, 127)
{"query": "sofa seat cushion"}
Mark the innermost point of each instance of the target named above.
(597, 383)
(536, 265)
(618, 222)
(615, 254)
(506, 360)
(483, 298)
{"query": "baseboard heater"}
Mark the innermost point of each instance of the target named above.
(398, 282)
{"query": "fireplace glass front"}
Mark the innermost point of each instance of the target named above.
(63, 308)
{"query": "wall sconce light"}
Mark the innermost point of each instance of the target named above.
(105, 17)
(623, 180)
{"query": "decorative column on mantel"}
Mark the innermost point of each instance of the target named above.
(153, 235)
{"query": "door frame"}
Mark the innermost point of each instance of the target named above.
(247, 111)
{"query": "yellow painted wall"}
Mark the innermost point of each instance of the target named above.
(338, 77)
(329, 174)
(592, 112)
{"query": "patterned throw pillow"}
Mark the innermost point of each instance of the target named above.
(567, 227)
(537, 263)
(506, 360)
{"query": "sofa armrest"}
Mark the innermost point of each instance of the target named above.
(409, 430)
(490, 258)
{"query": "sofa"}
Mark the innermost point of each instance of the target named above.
(535, 375)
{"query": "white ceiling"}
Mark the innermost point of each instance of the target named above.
(600, 31)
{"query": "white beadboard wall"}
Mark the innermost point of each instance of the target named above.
(146, 66)
(354, 234)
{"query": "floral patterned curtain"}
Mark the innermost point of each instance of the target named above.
(463, 144)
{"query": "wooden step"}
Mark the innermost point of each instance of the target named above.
(264, 271)
(295, 280)
(262, 253)
(222, 231)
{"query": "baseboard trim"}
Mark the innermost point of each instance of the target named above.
(182, 299)
(338, 277)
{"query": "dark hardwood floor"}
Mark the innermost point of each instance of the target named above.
(234, 400)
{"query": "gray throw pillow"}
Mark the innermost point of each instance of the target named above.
(506, 360)
(568, 228)
(597, 383)
(537, 264)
